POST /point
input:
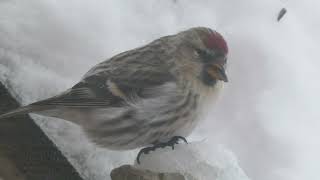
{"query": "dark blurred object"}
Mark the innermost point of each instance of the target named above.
(127, 172)
(26, 153)
(282, 12)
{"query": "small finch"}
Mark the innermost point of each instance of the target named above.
(146, 96)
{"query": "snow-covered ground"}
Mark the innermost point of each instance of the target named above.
(268, 115)
(192, 161)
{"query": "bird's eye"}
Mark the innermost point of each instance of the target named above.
(206, 55)
(203, 54)
(210, 56)
(198, 52)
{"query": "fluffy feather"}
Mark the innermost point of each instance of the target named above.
(142, 96)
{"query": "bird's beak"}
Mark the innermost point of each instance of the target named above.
(217, 71)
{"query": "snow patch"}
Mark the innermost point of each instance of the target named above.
(191, 161)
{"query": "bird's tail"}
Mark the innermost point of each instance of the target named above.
(20, 111)
(36, 107)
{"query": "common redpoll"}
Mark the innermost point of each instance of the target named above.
(144, 96)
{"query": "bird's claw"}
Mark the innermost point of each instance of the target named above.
(176, 139)
(173, 141)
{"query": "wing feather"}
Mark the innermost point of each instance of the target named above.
(137, 73)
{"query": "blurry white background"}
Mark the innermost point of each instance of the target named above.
(268, 115)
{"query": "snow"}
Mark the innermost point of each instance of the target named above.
(268, 115)
(190, 160)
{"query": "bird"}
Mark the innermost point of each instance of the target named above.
(150, 96)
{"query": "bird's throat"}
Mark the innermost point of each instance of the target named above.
(207, 79)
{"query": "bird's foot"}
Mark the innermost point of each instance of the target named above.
(173, 141)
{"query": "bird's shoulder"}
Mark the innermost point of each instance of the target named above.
(155, 57)
(139, 72)
(142, 72)
(139, 68)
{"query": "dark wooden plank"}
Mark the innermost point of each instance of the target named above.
(26, 153)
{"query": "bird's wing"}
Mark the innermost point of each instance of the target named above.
(84, 97)
(110, 84)
(104, 93)
(112, 89)
(100, 91)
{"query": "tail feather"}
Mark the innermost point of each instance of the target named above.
(20, 111)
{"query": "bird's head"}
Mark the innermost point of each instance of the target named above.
(203, 53)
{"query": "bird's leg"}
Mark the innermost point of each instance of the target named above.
(173, 141)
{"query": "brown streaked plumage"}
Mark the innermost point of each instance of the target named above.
(145, 95)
